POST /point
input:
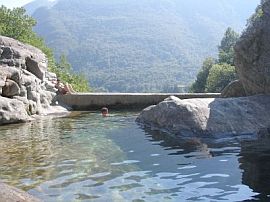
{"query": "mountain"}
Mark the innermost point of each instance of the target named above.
(34, 5)
(139, 45)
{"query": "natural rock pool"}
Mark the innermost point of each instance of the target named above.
(90, 158)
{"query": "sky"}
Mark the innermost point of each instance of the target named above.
(14, 3)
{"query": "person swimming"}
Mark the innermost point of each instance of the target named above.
(105, 111)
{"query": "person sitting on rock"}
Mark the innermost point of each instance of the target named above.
(63, 89)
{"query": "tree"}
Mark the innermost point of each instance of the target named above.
(64, 72)
(16, 24)
(226, 51)
(219, 78)
(199, 85)
(220, 75)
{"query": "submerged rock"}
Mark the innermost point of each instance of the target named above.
(26, 86)
(12, 194)
(210, 116)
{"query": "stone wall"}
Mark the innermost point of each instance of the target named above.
(94, 101)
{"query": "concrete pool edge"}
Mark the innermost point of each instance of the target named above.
(94, 101)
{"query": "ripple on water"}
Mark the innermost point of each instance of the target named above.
(90, 158)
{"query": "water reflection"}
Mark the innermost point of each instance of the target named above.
(254, 159)
(89, 158)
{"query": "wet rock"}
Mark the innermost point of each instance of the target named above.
(210, 116)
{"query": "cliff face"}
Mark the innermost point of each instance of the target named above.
(252, 54)
(25, 83)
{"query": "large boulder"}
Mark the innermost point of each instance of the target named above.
(244, 115)
(252, 54)
(12, 111)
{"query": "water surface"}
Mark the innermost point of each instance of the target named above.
(91, 158)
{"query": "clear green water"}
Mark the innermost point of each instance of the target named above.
(90, 158)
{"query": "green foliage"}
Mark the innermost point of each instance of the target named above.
(15, 23)
(64, 71)
(220, 75)
(199, 85)
(257, 15)
(226, 51)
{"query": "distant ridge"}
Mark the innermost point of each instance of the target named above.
(34, 5)
(138, 45)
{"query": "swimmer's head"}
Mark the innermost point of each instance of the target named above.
(104, 111)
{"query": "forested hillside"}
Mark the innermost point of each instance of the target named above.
(139, 46)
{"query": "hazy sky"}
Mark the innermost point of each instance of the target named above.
(14, 3)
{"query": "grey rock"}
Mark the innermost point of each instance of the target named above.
(10, 89)
(32, 108)
(50, 76)
(33, 95)
(23, 92)
(11, 73)
(12, 111)
(29, 81)
(46, 98)
(234, 89)
(3, 78)
(50, 86)
(7, 53)
(34, 67)
(252, 55)
(15, 53)
(210, 116)
(24, 78)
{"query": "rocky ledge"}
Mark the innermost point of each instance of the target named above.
(209, 116)
(26, 87)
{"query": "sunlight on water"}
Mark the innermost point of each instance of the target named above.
(90, 158)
